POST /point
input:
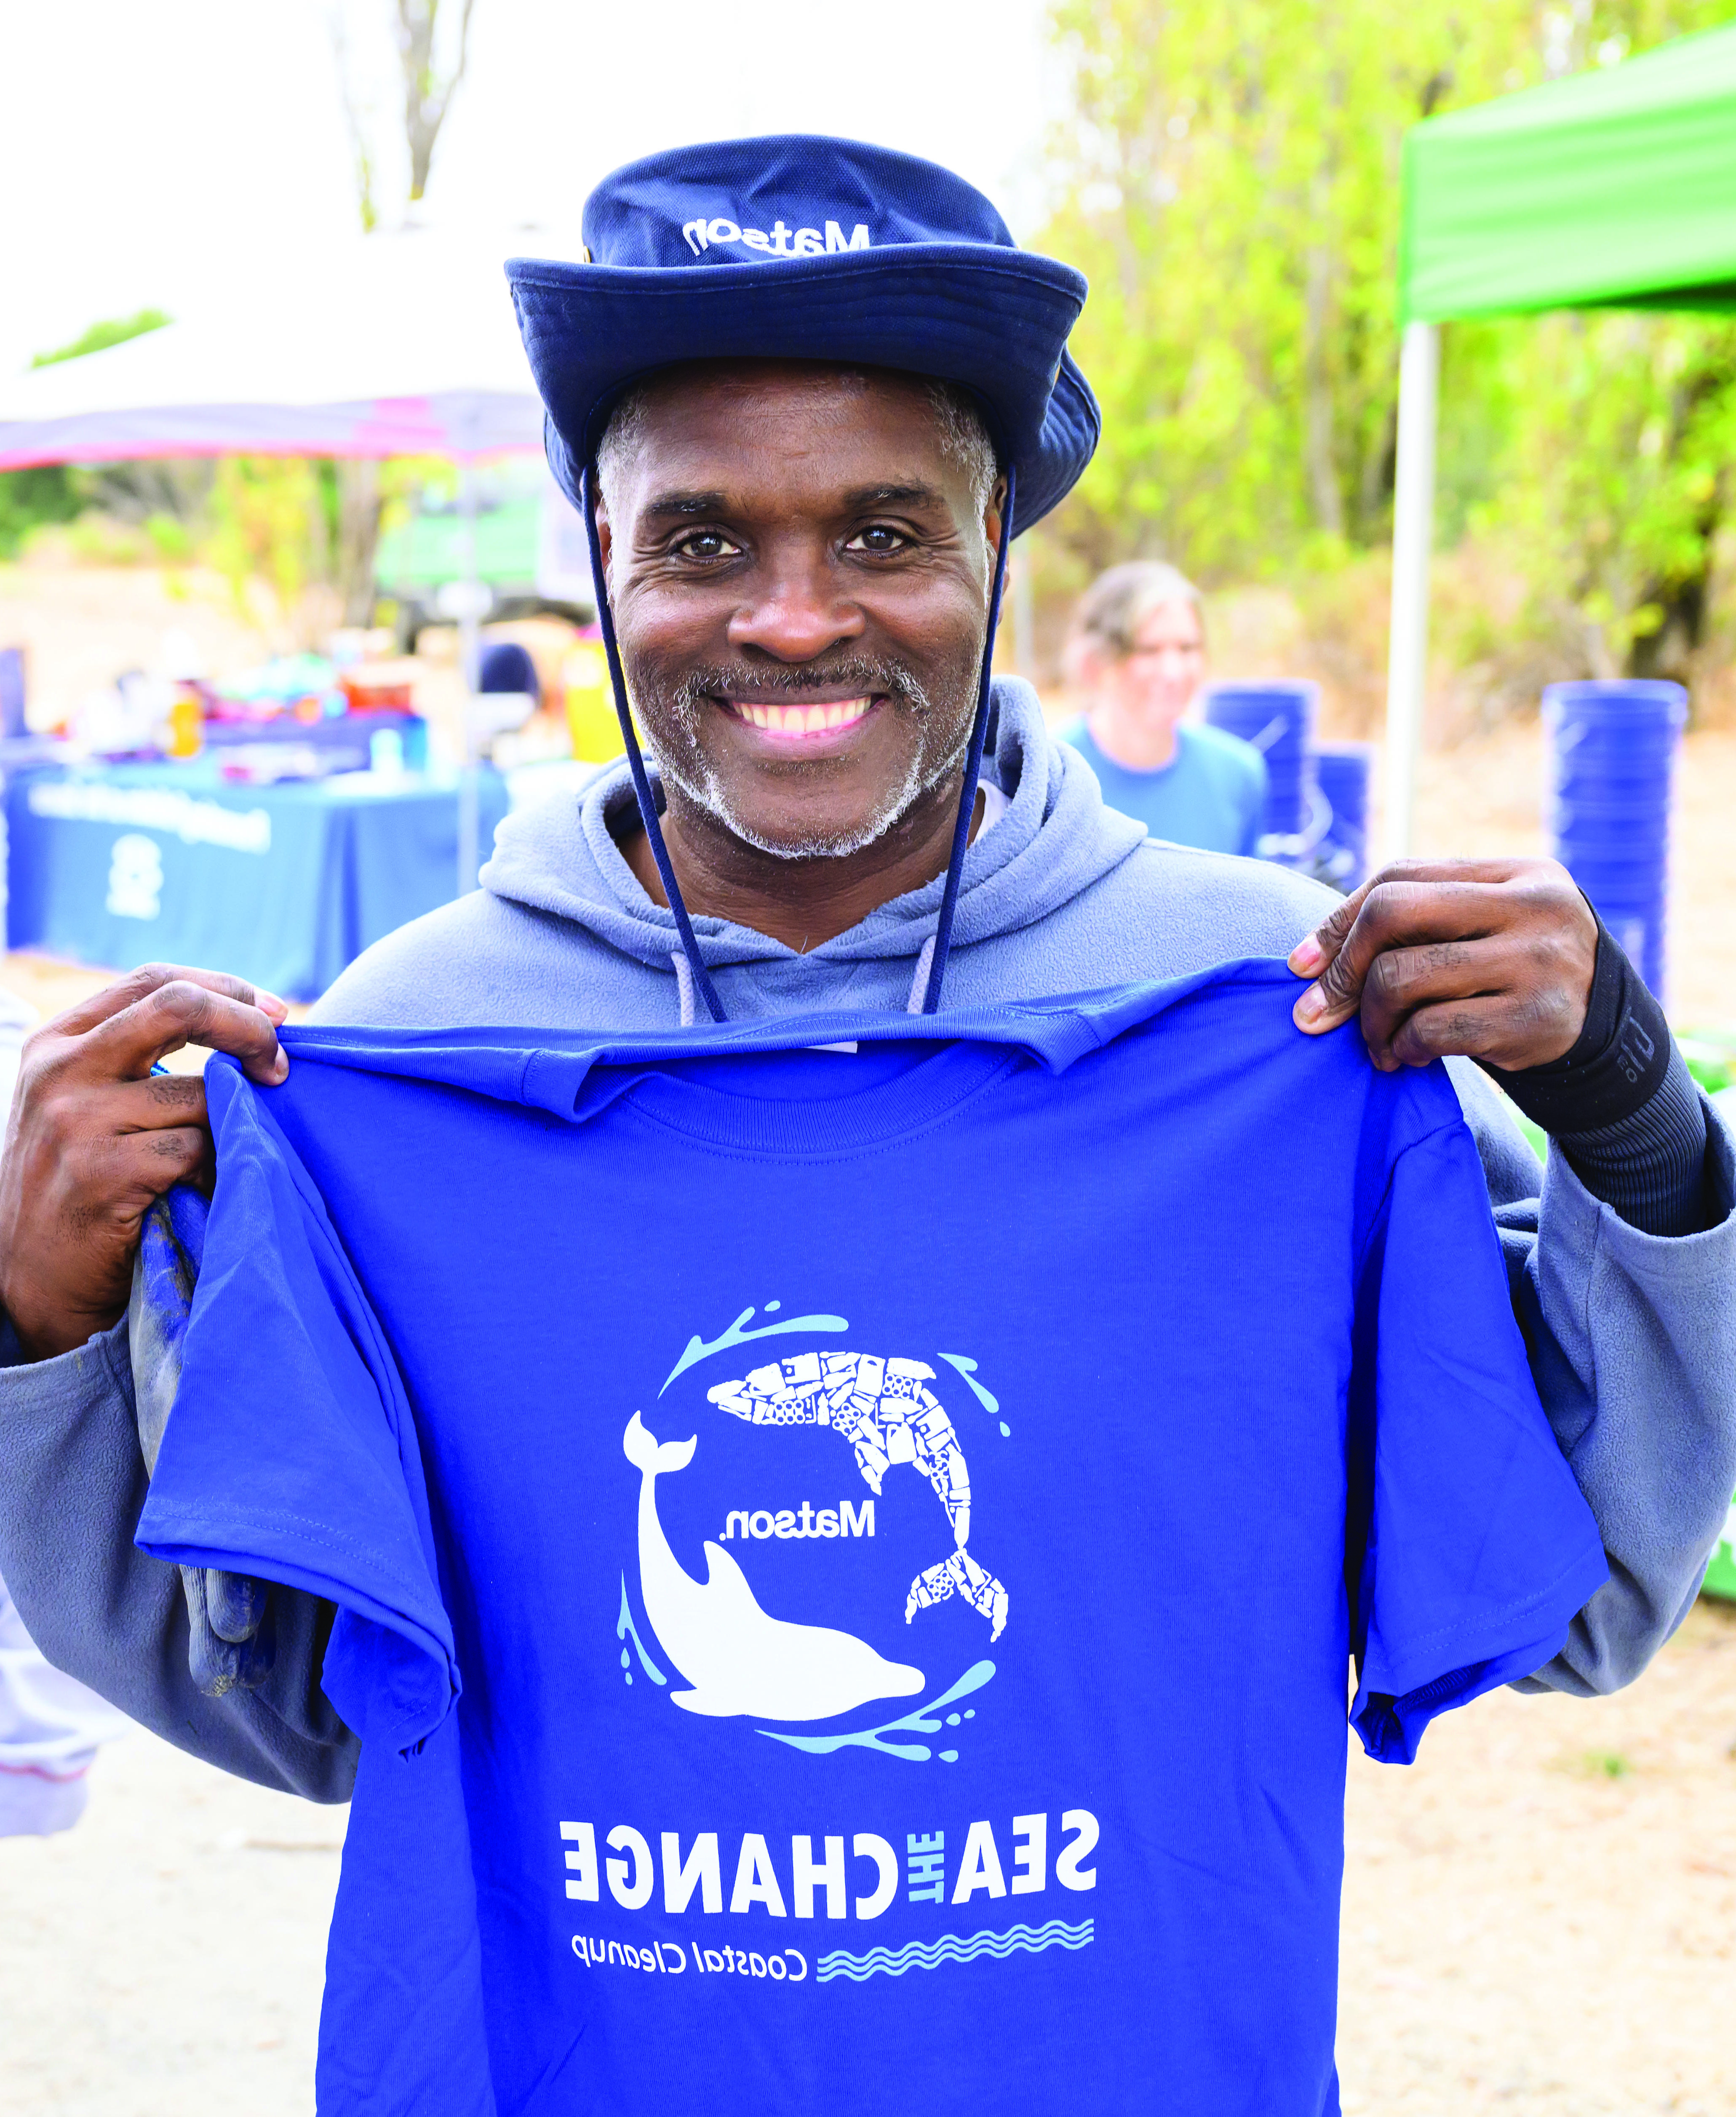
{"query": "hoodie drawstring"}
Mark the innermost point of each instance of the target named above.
(919, 977)
(939, 945)
(683, 986)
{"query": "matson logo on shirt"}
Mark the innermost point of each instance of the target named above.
(779, 240)
(809, 1520)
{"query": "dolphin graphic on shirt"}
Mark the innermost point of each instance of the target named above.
(888, 1413)
(738, 1658)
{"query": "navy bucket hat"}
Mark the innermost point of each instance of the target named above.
(801, 248)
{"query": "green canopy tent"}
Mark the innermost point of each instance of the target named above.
(1612, 189)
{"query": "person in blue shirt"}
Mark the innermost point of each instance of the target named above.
(1137, 651)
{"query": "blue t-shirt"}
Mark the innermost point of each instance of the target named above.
(847, 1561)
(1211, 793)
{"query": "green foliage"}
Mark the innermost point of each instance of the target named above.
(1230, 185)
(45, 493)
(1617, 477)
(49, 493)
(1228, 178)
(115, 330)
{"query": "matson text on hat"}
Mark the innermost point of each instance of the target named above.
(781, 241)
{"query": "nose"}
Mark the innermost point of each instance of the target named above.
(794, 612)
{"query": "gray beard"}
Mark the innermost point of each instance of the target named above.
(931, 763)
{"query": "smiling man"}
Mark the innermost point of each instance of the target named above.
(801, 466)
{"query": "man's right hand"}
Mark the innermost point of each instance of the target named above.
(94, 1136)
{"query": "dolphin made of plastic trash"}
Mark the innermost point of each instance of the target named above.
(738, 1659)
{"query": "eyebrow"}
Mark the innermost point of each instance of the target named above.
(912, 494)
(681, 504)
(688, 503)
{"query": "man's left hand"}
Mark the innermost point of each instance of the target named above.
(1490, 958)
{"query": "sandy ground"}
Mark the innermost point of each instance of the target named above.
(164, 1958)
(1539, 1916)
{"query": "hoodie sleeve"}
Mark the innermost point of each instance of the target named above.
(103, 1610)
(1631, 1340)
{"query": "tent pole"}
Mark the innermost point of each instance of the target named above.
(1413, 521)
(469, 823)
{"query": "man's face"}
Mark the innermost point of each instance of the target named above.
(800, 581)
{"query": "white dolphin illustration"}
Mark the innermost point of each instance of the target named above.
(738, 1659)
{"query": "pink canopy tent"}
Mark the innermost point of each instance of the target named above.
(399, 344)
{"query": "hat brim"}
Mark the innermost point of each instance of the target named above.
(994, 320)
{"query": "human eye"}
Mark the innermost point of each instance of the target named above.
(706, 544)
(880, 541)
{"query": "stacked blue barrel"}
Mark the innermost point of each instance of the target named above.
(1612, 750)
(1344, 770)
(1278, 719)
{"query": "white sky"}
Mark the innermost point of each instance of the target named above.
(150, 146)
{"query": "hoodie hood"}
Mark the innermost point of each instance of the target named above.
(1056, 839)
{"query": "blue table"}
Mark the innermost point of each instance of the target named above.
(121, 864)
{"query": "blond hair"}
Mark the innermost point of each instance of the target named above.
(1111, 611)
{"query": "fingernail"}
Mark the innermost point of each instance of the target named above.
(280, 1069)
(1306, 957)
(1309, 1007)
(269, 1003)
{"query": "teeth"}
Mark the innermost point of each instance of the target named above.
(802, 720)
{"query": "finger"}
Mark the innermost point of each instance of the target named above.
(1310, 956)
(142, 1166)
(181, 1012)
(1474, 1027)
(1394, 914)
(1402, 980)
(161, 1102)
(140, 984)
(234, 1604)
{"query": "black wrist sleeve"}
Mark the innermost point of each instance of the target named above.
(1616, 1066)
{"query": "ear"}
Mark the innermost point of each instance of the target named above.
(605, 535)
(993, 516)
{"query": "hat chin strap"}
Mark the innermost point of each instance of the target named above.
(943, 938)
(647, 814)
(972, 764)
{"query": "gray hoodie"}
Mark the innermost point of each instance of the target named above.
(1632, 1336)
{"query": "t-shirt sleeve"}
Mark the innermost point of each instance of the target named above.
(290, 1453)
(1478, 1546)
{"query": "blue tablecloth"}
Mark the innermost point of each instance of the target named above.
(122, 865)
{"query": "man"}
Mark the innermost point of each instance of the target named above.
(807, 435)
(1136, 653)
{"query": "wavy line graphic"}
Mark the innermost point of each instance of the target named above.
(953, 1948)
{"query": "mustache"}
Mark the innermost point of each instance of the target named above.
(857, 673)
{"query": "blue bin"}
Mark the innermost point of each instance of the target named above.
(1344, 770)
(1612, 748)
(1278, 719)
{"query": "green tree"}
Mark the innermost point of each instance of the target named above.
(1229, 179)
(1230, 182)
(1616, 480)
(115, 330)
(58, 492)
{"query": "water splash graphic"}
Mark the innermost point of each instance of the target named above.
(626, 1629)
(926, 1720)
(698, 1349)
